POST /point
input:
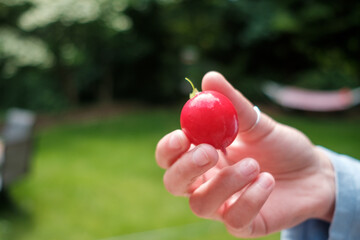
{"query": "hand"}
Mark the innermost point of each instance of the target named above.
(271, 178)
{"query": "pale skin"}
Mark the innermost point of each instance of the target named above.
(271, 178)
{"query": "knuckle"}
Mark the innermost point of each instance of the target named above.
(169, 186)
(160, 156)
(170, 147)
(160, 162)
(229, 177)
(198, 207)
(234, 221)
(226, 174)
(249, 205)
(241, 232)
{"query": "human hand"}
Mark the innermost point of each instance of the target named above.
(271, 178)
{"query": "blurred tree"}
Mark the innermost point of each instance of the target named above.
(55, 54)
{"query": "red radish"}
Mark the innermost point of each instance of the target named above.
(209, 117)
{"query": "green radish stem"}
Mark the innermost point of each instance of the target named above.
(195, 91)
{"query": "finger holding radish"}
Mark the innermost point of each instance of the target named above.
(209, 117)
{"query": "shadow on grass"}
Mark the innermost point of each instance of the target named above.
(11, 216)
(188, 231)
(204, 229)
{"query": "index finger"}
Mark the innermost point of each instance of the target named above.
(170, 148)
(247, 116)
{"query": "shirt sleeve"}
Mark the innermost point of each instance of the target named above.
(346, 220)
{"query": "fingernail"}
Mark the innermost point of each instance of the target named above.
(247, 167)
(174, 141)
(200, 157)
(265, 182)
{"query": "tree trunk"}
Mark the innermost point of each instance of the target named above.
(68, 85)
(106, 91)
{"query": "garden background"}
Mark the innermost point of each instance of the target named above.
(106, 79)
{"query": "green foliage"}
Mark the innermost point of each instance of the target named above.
(29, 89)
(98, 51)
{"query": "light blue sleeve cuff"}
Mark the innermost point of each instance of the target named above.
(346, 220)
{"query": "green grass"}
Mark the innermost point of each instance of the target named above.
(99, 180)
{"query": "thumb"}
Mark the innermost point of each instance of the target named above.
(250, 128)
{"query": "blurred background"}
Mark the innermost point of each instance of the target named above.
(58, 54)
(105, 79)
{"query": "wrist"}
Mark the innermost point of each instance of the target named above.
(328, 190)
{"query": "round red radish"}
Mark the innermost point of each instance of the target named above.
(209, 117)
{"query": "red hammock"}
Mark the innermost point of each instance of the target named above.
(312, 100)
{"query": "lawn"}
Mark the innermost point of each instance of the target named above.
(98, 180)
